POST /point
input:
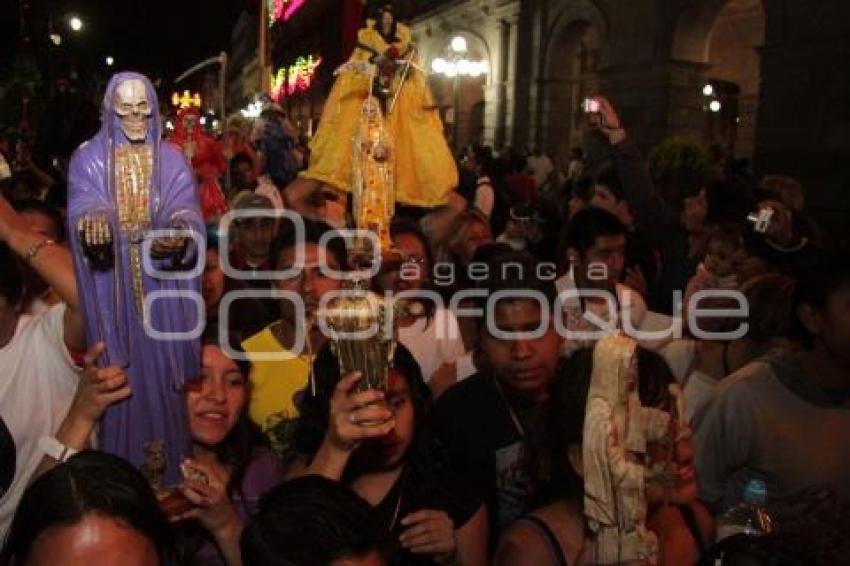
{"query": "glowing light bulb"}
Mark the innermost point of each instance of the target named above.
(459, 44)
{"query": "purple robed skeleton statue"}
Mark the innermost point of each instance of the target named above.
(123, 184)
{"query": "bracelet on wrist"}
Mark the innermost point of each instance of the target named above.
(34, 249)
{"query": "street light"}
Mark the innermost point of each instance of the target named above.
(75, 23)
(56, 39)
(459, 44)
(455, 65)
(110, 61)
(714, 106)
(708, 90)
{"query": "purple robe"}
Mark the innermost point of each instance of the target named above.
(156, 369)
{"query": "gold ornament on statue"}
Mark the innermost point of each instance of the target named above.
(362, 337)
(373, 188)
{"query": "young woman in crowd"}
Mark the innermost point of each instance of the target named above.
(429, 330)
(230, 468)
(555, 532)
(314, 521)
(377, 443)
(94, 509)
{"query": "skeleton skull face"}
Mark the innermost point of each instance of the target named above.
(189, 122)
(133, 109)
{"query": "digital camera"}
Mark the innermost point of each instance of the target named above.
(761, 219)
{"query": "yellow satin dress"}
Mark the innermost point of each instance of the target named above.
(425, 171)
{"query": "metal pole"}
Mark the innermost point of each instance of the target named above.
(263, 46)
(212, 60)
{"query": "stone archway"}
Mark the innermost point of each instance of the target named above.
(721, 38)
(576, 49)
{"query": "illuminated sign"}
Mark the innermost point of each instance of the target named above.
(186, 100)
(283, 9)
(296, 78)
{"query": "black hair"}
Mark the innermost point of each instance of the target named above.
(515, 271)
(388, 8)
(607, 176)
(238, 447)
(11, 283)
(235, 451)
(34, 205)
(427, 471)
(484, 158)
(241, 157)
(27, 179)
(490, 251)
(311, 521)
(589, 224)
(212, 237)
(400, 226)
(88, 483)
(770, 298)
(313, 231)
(313, 420)
(818, 277)
(561, 422)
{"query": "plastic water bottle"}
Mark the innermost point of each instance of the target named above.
(748, 517)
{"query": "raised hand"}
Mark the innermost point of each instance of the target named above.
(98, 388)
(610, 124)
(205, 485)
(355, 417)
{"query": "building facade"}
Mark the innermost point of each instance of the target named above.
(765, 79)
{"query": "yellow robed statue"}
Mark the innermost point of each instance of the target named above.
(384, 65)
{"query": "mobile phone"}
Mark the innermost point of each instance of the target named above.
(591, 107)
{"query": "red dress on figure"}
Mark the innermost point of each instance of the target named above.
(204, 153)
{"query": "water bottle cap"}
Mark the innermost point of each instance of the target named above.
(756, 492)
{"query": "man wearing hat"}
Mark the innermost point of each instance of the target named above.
(252, 236)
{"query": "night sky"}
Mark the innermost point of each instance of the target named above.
(161, 38)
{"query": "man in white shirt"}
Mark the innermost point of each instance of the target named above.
(540, 165)
(38, 380)
(596, 247)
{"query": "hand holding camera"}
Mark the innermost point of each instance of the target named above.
(774, 220)
(602, 116)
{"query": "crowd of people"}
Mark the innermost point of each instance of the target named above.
(474, 452)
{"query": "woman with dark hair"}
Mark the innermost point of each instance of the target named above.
(314, 521)
(378, 444)
(230, 467)
(428, 329)
(93, 509)
(555, 532)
